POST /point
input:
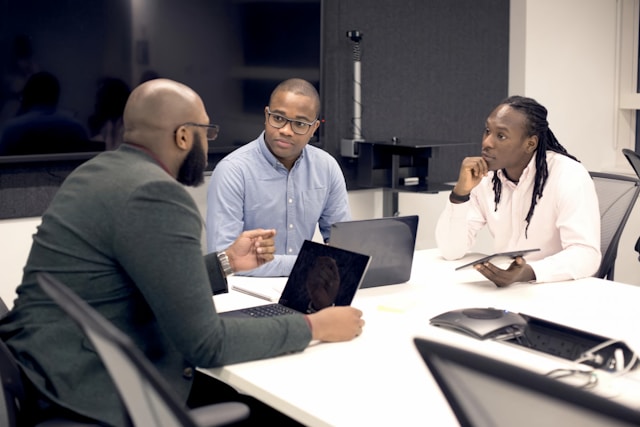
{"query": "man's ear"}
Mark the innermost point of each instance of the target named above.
(532, 143)
(183, 138)
(266, 114)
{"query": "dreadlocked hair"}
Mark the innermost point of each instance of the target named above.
(536, 124)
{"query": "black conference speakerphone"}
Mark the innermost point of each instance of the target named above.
(540, 335)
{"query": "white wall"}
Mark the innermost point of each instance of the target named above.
(563, 54)
(15, 243)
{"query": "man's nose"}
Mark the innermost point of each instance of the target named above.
(487, 141)
(287, 128)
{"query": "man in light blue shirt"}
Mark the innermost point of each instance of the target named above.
(278, 181)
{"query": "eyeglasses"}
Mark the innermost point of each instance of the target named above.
(212, 130)
(297, 126)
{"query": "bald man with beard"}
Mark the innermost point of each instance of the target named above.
(124, 234)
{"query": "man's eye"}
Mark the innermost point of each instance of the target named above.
(279, 119)
(300, 124)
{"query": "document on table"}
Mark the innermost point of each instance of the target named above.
(267, 288)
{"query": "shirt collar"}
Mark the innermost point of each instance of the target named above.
(268, 155)
(529, 171)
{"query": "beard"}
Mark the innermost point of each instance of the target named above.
(191, 172)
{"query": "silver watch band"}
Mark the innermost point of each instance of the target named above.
(224, 263)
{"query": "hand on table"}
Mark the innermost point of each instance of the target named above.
(342, 323)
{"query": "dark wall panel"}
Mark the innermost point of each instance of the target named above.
(431, 69)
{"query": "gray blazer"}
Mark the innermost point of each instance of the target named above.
(125, 236)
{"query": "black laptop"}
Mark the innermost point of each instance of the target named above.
(485, 392)
(322, 276)
(390, 241)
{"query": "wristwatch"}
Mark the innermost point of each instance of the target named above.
(456, 198)
(224, 264)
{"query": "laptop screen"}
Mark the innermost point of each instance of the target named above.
(487, 392)
(323, 276)
(390, 241)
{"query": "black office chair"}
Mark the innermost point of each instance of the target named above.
(634, 160)
(3, 308)
(617, 194)
(147, 397)
(12, 391)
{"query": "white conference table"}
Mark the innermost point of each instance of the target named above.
(380, 379)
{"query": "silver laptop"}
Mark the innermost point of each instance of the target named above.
(390, 242)
(486, 392)
(322, 276)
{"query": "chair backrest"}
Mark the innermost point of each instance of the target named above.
(617, 194)
(11, 392)
(633, 158)
(3, 308)
(144, 392)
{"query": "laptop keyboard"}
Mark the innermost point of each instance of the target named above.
(268, 310)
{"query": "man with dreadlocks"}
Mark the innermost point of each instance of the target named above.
(530, 193)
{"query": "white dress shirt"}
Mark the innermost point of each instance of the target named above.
(565, 223)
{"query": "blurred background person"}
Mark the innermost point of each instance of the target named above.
(39, 126)
(105, 123)
(20, 67)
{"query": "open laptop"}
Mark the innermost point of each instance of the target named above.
(485, 392)
(390, 242)
(322, 276)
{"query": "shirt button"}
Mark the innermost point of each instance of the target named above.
(290, 226)
(290, 200)
(290, 250)
(187, 373)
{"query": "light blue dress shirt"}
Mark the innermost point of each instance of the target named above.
(250, 189)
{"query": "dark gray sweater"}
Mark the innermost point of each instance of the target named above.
(125, 235)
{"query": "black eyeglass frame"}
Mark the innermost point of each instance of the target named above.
(210, 128)
(288, 120)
